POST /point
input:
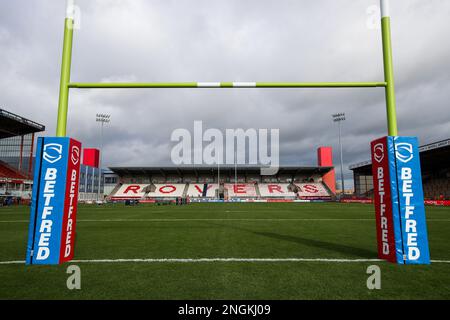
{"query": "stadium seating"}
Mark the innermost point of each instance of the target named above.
(168, 190)
(131, 191)
(275, 190)
(196, 190)
(205, 178)
(173, 179)
(189, 178)
(437, 188)
(9, 172)
(269, 179)
(312, 190)
(241, 190)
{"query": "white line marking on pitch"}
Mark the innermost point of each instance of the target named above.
(11, 262)
(218, 219)
(210, 260)
(176, 220)
(225, 219)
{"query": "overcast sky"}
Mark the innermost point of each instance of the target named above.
(233, 40)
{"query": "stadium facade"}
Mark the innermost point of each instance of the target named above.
(435, 166)
(17, 148)
(227, 182)
(17, 139)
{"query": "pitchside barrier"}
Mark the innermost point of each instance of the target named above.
(401, 226)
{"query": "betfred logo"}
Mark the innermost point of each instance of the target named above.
(383, 200)
(412, 250)
(404, 152)
(378, 152)
(382, 209)
(52, 152)
(45, 227)
(75, 155)
(70, 205)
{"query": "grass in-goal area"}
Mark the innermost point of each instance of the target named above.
(344, 233)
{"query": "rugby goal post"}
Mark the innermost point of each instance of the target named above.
(400, 214)
(66, 84)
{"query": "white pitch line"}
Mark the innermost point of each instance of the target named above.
(225, 219)
(219, 219)
(184, 220)
(208, 260)
(440, 261)
(212, 260)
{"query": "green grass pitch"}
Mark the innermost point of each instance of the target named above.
(278, 230)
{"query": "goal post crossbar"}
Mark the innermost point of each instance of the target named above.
(192, 85)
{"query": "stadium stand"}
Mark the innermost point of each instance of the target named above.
(17, 140)
(270, 179)
(167, 191)
(437, 188)
(435, 165)
(201, 190)
(312, 190)
(276, 190)
(240, 189)
(131, 191)
(6, 171)
(14, 183)
(250, 184)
